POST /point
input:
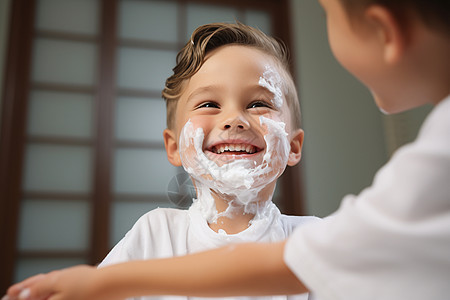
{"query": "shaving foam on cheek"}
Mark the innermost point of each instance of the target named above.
(271, 80)
(240, 180)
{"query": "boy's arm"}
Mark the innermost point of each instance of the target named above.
(236, 270)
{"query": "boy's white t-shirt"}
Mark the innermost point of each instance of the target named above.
(393, 240)
(166, 232)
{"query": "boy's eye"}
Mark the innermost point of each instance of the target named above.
(259, 103)
(209, 104)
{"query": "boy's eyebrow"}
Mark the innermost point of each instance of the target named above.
(201, 90)
(262, 89)
(213, 88)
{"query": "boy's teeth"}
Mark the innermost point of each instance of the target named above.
(234, 148)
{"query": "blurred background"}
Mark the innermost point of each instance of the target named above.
(82, 155)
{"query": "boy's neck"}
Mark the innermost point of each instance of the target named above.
(236, 219)
(232, 225)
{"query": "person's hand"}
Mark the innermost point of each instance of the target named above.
(76, 283)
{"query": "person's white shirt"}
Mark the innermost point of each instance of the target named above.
(166, 232)
(393, 240)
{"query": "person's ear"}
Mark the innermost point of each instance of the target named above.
(391, 34)
(295, 154)
(170, 142)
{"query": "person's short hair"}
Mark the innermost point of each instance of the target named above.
(433, 13)
(212, 36)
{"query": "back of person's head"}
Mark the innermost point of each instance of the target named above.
(433, 13)
(208, 37)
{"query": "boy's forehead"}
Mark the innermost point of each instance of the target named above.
(234, 53)
(238, 59)
(221, 68)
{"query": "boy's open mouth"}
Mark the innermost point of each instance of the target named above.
(234, 149)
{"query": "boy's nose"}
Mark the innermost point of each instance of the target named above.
(237, 122)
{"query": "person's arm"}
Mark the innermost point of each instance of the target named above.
(235, 270)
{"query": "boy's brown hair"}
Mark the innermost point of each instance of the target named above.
(212, 36)
(434, 13)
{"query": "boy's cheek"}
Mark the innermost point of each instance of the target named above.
(198, 121)
(276, 116)
(194, 123)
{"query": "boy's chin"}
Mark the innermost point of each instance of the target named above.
(379, 101)
(253, 160)
(390, 105)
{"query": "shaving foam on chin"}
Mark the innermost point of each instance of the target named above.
(240, 180)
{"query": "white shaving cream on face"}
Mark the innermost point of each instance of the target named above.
(271, 80)
(241, 180)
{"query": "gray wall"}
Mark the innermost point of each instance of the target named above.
(344, 133)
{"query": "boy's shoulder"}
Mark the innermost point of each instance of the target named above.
(158, 233)
(292, 222)
(164, 216)
(438, 121)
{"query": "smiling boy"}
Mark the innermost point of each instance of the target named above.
(233, 124)
(226, 100)
(390, 242)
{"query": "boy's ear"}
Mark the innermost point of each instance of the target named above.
(295, 154)
(170, 142)
(392, 35)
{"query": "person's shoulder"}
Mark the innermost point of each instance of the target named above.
(294, 221)
(163, 213)
(162, 217)
(300, 219)
(158, 233)
(437, 123)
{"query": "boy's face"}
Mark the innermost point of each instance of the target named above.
(229, 98)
